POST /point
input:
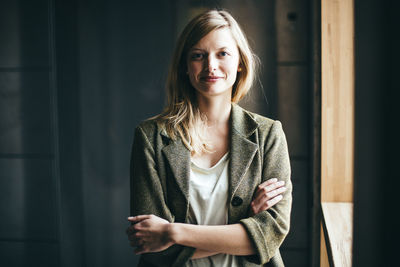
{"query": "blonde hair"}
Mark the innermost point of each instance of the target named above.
(181, 114)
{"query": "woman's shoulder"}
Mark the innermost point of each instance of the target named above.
(151, 126)
(270, 131)
(260, 119)
(263, 122)
(267, 128)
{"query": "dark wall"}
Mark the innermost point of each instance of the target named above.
(75, 79)
(29, 177)
(40, 183)
(124, 50)
(293, 106)
(376, 177)
(29, 199)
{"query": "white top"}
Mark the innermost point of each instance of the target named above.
(208, 198)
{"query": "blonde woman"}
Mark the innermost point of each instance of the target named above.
(210, 181)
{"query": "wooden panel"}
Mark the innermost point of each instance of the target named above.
(324, 262)
(338, 229)
(337, 22)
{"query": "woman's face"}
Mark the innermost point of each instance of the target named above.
(213, 64)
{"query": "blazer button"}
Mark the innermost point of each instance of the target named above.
(237, 201)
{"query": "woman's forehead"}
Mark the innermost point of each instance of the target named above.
(216, 39)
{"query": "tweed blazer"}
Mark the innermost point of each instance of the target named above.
(160, 169)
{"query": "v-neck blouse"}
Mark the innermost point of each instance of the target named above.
(208, 205)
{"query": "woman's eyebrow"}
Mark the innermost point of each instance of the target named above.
(195, 48)
(221, 48)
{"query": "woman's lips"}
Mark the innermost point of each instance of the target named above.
(210, 78)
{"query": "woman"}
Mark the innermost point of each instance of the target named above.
(210, 181)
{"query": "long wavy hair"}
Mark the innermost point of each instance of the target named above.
(181, 115)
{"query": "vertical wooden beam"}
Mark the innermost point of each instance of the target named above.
(315, 73)
(324, 260)
(337, 98)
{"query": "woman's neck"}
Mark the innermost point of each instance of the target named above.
(216, 109)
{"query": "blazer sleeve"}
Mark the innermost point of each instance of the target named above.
(269, 228)
(147, 197)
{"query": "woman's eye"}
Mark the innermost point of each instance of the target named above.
(223, 54)
(196, 56)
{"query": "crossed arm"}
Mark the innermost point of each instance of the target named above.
(178, 241)
(150, 233)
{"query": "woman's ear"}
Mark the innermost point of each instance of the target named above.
(239, 68)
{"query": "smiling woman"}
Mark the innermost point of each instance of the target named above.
(213, 64)
(210, 181)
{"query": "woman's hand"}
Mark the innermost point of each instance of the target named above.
(149, 233)
(267, 195)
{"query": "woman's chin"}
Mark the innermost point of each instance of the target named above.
(212, 92)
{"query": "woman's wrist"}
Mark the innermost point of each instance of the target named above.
(229, 239)
(173, 232)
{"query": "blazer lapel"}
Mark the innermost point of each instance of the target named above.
(178, 157)
(242, 149)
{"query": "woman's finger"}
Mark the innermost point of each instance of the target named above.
(136, 219)
(266, 189)
(266, 201)
(271, 194)
(268, 196)
(268, 182)
(270, 203)
(255, 209)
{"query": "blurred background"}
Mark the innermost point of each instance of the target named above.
(77, 76)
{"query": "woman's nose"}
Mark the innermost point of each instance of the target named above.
(211, 63)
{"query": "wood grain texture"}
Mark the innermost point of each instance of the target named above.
(338, 232)
(337, 70)
(324, 261)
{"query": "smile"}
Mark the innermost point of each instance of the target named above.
(210, 78)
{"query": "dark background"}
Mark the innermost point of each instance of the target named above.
(77, 76)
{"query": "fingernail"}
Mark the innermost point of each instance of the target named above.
(274, 179)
